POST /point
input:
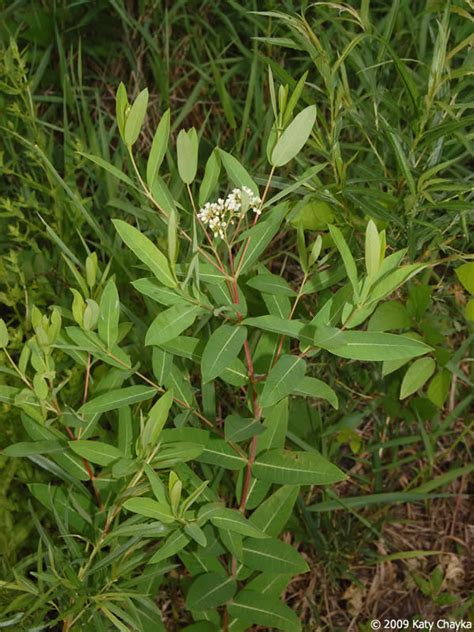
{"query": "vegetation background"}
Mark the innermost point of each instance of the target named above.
(392, 82)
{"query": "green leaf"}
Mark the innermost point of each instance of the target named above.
(171, 323)
(236, 172)
(347, 258)
(283, 378)
(150, 508)
(135, 118)
(218, 452)
(312, 387)
(372, 249)
(273, 514)
(374, 346)
(233, 520)
(211, 177)
(187, 146)
(438, 389)
(272, 556)
(28, 448)
(222, 348)
(156, 419)
(210, 590)
(465, 274)
(417, 375)
(112, 169)
(276, 325)
(388, 283)
(390, 315)
(268, 612)
(240, 428)
(172, 545)
(118, 398)
(109, 315)
(271, 284)
(121, 105)
(294, 137)
(158, 148)
(259, 237)
(96, 451)
(296, 468)
(146, 251)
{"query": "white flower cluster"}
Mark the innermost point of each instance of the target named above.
(218, 215)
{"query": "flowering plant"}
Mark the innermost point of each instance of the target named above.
(163, 419)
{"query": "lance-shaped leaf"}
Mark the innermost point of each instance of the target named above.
(222, 348)
(276, 325)
(109, 315)
(187, 146)
(272, 515)
(171, 323)
(296, 468)
(417, 375)
(219, 452)
(270, 613)
(211, 177)
(294, 137)
(374, 346)
(150, 508)
(96, 451)
(118, 398)
(236, 172)
(158, 148)
(241, 428)
(347, 258)
(272, 556)
(146, 251)
(156, 419)
(312, 387)
(233, 520)
(135, 118)
(210, 590)
(282, 379)
(172, 545)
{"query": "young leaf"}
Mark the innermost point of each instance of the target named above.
(135, 118)
(296, 468)
(150, 508)
(210, 590)
(282, 379)
(96, 451)
(417, 375)
(187, 146)
(158, 149)
(233, 520)
(294, 137)
(272, 556)
(222, 348)
(146, 251)
(171, 323)
(109, 315)
(270, 613)
(117, 398)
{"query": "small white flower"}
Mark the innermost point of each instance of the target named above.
(218, 215)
